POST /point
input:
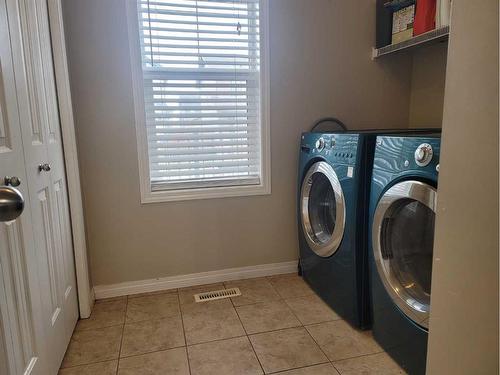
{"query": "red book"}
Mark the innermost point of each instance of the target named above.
(425, 17)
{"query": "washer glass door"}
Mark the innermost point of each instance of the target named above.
(322, 209)
(403, 237)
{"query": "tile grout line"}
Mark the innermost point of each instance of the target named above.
(319, 346)
(155, 293)
(256, 356)
(261, 333)
(356, 356)
(305, 329)
(121, 341)
(299, 368)
(335, 367)
(301, 325)
(247, 336)
(75, 331)
(152, 352)
(88, 364)
(339, 360)
(184, 331)
(214, 341)
(96, 328)
(159, 350)
(268, 279)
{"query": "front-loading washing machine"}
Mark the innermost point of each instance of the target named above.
(332, 174)
(402, 212)
(332, 210)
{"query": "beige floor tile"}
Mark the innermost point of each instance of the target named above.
(290, 286)
(152, 335)
(200, 307)
(111, 299)
(168, 362)
(324, 369)
(186, 295)
(105, 314)
(341, 341)
(286, 349)
(311, 309)
(97, 345)
(227, 357)
(212, 324)
(376, 364)
(253, 291)
(152, 307)
(102, 368)
(267, 316)
(158, 292)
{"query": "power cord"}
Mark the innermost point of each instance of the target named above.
(336, 121)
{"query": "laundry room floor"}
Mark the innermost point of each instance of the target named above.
(277, 325)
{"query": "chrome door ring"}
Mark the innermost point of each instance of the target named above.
(327, 248)
(406, 190)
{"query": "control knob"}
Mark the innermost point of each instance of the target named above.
(423, 154)
(320, 144)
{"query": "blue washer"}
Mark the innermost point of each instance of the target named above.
(333, 210)
(332, 172)
(401, 228)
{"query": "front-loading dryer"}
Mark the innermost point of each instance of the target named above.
(402, 212)
(332, 174)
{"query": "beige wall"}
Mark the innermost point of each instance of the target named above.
(320, 65)
(464, 317)
(427, 86)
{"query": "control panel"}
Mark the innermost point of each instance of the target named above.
(395, 153)
(338, 148)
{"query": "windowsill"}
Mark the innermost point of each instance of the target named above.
(204, 193)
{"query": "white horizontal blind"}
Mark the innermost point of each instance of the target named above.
(201, 71)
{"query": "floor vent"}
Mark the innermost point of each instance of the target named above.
(217, 294)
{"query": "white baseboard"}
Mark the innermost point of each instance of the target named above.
(193, 279)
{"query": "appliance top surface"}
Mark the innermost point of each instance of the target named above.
(412, 136)
(401, 131)
(339, 138)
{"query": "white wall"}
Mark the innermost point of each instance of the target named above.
(464, 317)
(320, 65)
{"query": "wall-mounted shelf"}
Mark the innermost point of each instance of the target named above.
(431, 36)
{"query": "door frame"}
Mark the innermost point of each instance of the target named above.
(86, 296)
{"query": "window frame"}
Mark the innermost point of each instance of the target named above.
(148, 195)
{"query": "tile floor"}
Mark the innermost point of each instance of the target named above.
(278, 325)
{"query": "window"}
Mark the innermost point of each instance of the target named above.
(201, 97)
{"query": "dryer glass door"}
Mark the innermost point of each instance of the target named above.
(323, 209)
(403, 236)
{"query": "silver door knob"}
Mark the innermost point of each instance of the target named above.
(12, 181)
(11, 203)
(44, 167)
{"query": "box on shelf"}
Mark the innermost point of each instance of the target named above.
(402, 24)
(425, 17)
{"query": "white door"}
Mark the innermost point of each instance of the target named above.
(45, 176)
(21, 329)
